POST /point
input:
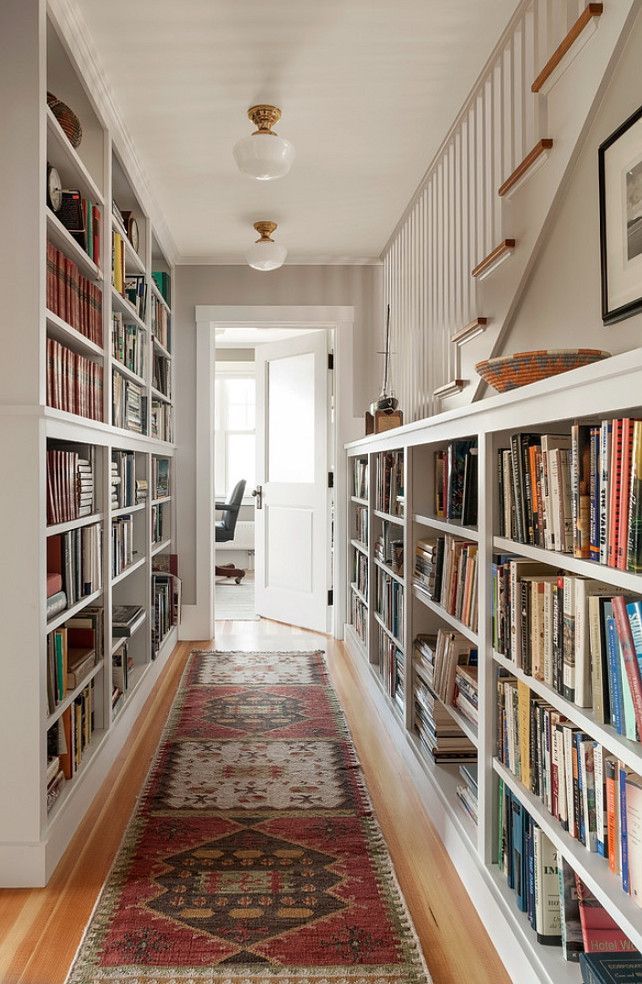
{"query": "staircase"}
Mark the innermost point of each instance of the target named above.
(456, 266)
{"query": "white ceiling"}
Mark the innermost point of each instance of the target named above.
(249, 337)
(368, 90)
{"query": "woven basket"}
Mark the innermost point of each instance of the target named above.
(68, 120)
(508, 372)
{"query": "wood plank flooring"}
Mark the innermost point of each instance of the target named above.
(40, 929)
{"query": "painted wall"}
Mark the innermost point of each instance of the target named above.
(358, 286)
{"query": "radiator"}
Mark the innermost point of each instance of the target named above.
(243, 538)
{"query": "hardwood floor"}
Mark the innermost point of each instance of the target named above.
(40, 929)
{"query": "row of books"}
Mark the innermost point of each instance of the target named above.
(129, 404)
(390, 603)
(360, 477)
(391, 664)
(83, 219)
(162, 374)
(467, 791)
(441, 655)
(73, 297)
(129, 344)
(360, 572)
(389, 488)
(446, 570)
(561, 909)
(359, 617)
(160, 477)
(73, 650)
(122, 544)
(456, 482)
(161, 323)
(70, 483)
(135, 291)
(126, 488)
(163, 281)
(74, 565)
(166, 603)
(360, 515)
(160, 523)
(388, 547)
(435, 727)
(576, 493)
(122, 662)
(575, 635)
(69, 737)
(161, 421)
(74, 382)
(593, 795)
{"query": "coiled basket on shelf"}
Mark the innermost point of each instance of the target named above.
(68, 120)
(507, 372)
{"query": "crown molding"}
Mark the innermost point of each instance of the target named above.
(322, 260)
(77, 38)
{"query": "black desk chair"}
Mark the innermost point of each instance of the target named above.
(225, 527)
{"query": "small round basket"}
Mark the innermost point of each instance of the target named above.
(509, 372)
(68, 120)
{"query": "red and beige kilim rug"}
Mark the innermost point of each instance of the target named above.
(254, 855)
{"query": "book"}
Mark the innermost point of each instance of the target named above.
(600, 932)
(547, 899)
(571, 926)
(611, 968)
(633, 798)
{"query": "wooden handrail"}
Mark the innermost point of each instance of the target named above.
(590, 11)
(540, 148)
(505, 247)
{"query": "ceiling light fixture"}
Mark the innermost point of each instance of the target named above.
(265, 254)
(264, 155)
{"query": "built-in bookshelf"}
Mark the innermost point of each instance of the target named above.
(89, 551)
(522, 645)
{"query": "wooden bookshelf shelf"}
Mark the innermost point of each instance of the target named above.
(61, 155)
(382, 625)
(358, 501)
(443, 526)
(568, 48)
(122, 304)
(359, 595)
(389, 518)
(60, 619)
(361, 547)
(446, 616)
(126, 510)
(566, 562)
(466, 726)
(157, 395)
(136, 566)
(63, 239)
(127, 373)
(72, 694)
(161, 348)
(75, 524)
(159, 547)
(161, 502)
(526, 168)
(399, 578)
(63, 332)
(495, 258)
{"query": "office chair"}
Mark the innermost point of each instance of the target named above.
(225, 527)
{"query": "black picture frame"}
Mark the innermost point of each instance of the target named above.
(611, 316)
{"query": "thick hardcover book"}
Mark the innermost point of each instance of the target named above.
(624, 493)
(605, 464)
(629, 657)
(571, 927)
(634, 545)
(581, 489)
(547, 898)
(615, 479)
(634, 835)
(594, 494)
(600, 932)
(611, 968)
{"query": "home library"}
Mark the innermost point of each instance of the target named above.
(92, 590)
(522, 638)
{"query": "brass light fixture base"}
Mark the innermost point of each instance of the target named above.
(265, 230)
(264, 117)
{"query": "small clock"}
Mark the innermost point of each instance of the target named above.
(54, 189)
(132, 232)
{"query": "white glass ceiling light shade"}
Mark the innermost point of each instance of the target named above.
(264, 155)
(265, 254)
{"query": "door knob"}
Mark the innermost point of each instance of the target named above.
(258, 495)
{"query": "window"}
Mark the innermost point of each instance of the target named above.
(235, 427)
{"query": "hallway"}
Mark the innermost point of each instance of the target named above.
(40, 929)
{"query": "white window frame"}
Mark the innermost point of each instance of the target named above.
(240, 370)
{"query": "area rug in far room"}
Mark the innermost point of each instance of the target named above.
(254, 855)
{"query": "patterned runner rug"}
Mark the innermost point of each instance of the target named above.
(253, 855)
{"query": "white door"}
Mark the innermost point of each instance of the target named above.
(292, 511)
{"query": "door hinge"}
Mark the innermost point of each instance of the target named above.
(330, 479)
(330, 360)
(330, 597)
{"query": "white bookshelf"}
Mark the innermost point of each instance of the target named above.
(32, 840)
(606, 390)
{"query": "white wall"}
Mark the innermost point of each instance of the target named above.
(356, 286)
(561, 304)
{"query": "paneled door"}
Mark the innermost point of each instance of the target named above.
(292, 524)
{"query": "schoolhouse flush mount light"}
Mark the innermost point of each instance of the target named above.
(265, 254)
(264, 155)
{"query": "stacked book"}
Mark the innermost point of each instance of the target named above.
(161, 323)
(388, 547)
(446, 571)
(160, 477)
(561, 909)
(390, 603)
(161, 421)
(69, 737)
(162, 375)
(437, 730)
(389, 488)
(74, 382)
(359, 617)
(576, 493)
(129, 344)
(467, 791)
(456, 482)
(122, 544)
(73, 650)
(466, 698)
(574, 634)
(70, 484)
(83, 220)
(75, 558)
(73, 297)
(125, 620)
(129, 404)
(391, 663)
(444, 653)
(126, 488)
(360, 477)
